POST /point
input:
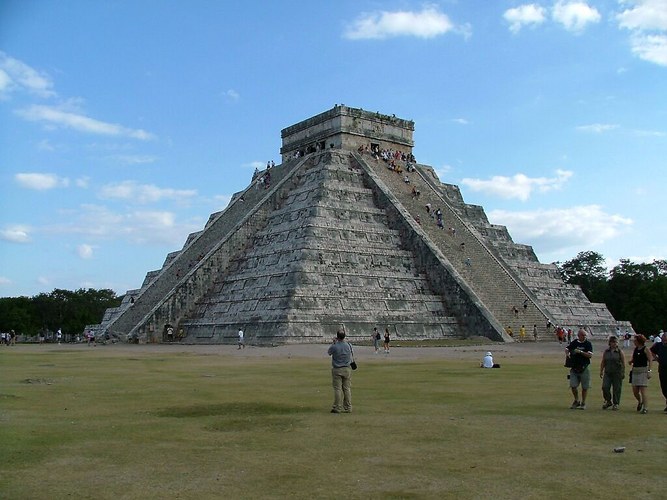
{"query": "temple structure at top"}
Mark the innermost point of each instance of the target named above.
(351, 232)
(346, 128)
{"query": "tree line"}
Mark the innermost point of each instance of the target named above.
(68, 310)
(631, 291)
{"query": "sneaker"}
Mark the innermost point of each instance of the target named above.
(644, 411)
(639, 406)
(606, 405)
(574, 405)
(582, 406)
(665, 410)
(334, 410)
(614, 407)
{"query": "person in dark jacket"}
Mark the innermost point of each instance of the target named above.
(659, 351)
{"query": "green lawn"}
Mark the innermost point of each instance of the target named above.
(113, 423)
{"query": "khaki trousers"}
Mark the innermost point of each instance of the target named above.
(342, 386)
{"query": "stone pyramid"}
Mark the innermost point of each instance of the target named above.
(338, 236)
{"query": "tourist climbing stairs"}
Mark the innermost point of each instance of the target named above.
(497, 286)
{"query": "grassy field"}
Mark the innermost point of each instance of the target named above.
(107, 422)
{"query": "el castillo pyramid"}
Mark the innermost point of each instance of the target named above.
(349, 231)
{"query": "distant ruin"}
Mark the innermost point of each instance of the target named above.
(338, 236)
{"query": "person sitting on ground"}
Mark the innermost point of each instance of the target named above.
(487, 362)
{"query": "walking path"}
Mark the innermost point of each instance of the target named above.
(363, 353)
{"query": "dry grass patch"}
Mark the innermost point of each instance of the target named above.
(158, 424)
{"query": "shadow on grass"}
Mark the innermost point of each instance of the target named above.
(255, 409)
(254, 423)
(242, 416)
(9, 396)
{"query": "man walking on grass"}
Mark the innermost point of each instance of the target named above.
(579, 352)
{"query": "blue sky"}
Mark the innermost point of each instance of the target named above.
(125, 124)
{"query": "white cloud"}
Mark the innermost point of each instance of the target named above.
(16, 234)
(460, 121)
(43, 280)
(222, 200)
(40, 182)
(575, 16)
(518, 186)
(144, 193)
(553, 230)
(644, 15)
(79, 122)
(233, 95)
(18, 76)
(651, 48)
(572, 15)
(5, 82)
(427, 23)
(139, 227)
(85, 251)
(154, 218)
(443, 170)
(597, 128)
(255, 165)
(647, 20)
(650, 133)
(525, 15)
(5, 281)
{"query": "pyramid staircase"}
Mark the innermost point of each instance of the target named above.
(326, 259)
(492, 281)
(186, 275)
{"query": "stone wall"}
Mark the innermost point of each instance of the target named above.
(346, 128)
